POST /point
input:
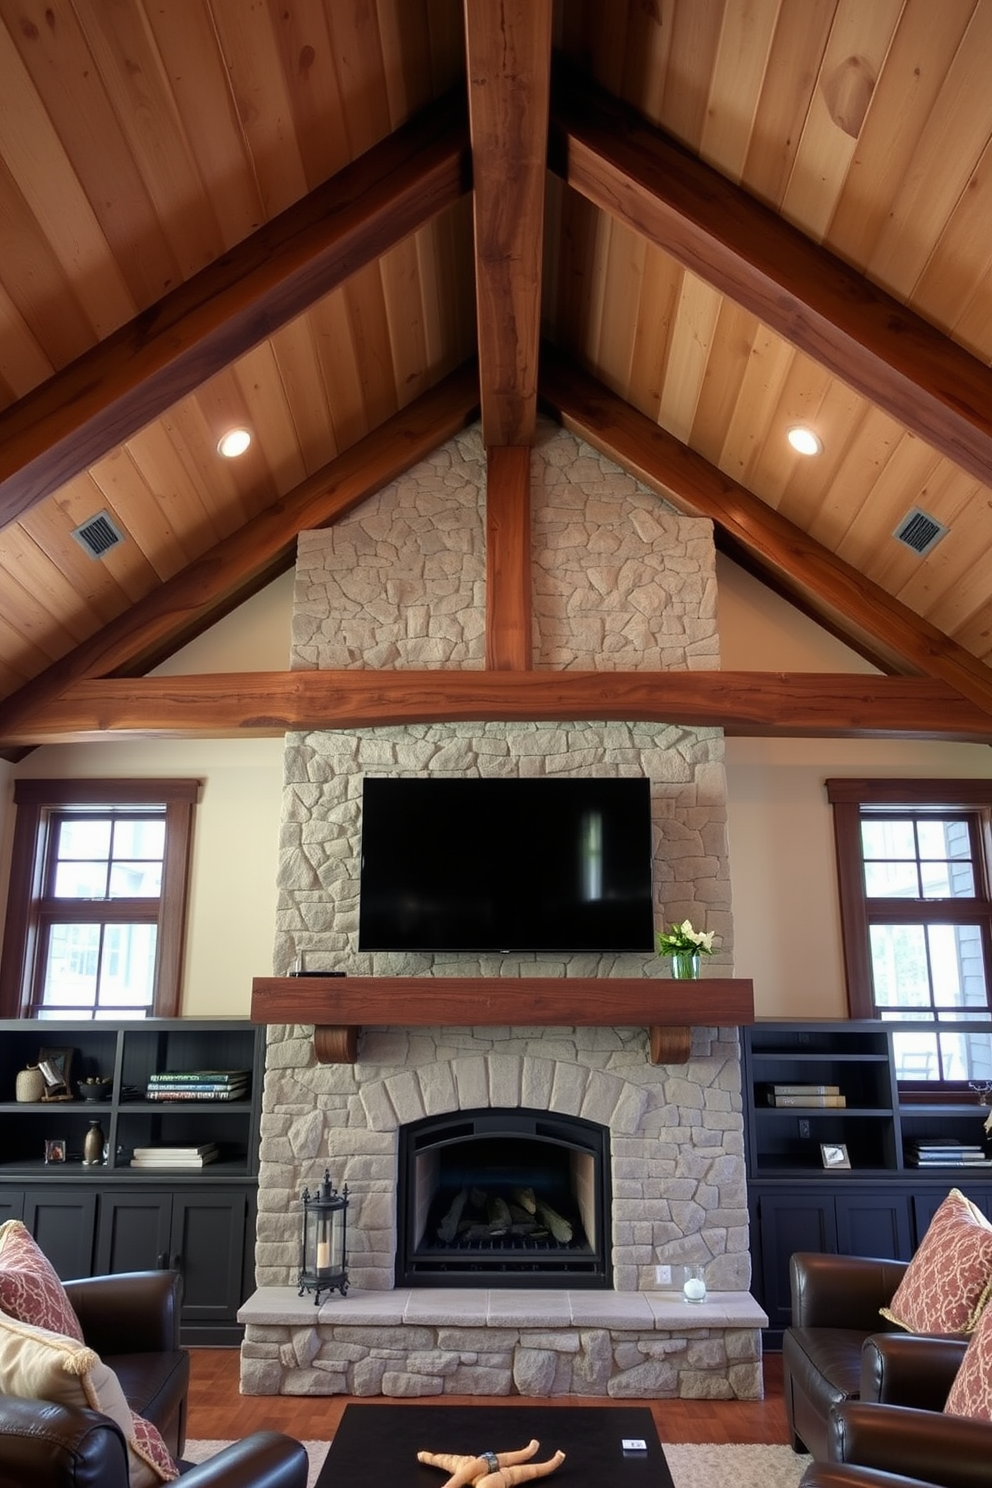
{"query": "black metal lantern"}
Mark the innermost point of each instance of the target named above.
(323, 1243)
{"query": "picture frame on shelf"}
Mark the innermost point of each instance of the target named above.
(55, 1066)
(834, 1155)
(55, 1150)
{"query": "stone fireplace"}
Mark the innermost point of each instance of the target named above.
(645, 1161)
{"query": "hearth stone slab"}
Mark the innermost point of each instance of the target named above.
(446, 1341)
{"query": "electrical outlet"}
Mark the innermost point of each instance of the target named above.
(663, 1275)
(804, 1128)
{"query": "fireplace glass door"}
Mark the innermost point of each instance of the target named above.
(504, 1198)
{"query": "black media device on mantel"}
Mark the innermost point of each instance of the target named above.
(505, 864)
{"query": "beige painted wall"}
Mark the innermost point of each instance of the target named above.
(781, 836)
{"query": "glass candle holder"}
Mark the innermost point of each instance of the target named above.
(694, 1284)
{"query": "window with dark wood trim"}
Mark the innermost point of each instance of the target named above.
(913, 863)
(96, 908)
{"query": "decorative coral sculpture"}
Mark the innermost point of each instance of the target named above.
(492, 1469)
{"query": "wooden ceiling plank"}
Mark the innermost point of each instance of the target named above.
(508, 44)
(120, 385)
(186, 604)
(691, 483)
(509, 604)
(838, 106)
(944, 166)
(922, 49)
(797, 288)
(794, 61)
(267, 704)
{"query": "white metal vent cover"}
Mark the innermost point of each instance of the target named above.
(920, 531)
(98, 535)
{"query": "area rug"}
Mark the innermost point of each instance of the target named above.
(693, 1465)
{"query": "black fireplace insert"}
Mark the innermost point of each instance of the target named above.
(504, 1197)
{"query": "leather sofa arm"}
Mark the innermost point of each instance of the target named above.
(926, 1445)
(844, 1475)
(267, 1459)
(59, 1446)
(838, 1291)
(134, 1312)
(910, 1369)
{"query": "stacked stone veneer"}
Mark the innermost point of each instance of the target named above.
(620, 581)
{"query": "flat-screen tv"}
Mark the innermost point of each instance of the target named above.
(505, 864)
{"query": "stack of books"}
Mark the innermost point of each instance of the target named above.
(175, 1157)
(945, 1152)
(805, 1095)
(201, 1085)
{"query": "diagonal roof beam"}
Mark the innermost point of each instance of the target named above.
(119, 386)
(796, 288)
(234, 568)
(508, 45)
(692, 484)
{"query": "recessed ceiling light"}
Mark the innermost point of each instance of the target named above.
(233, 443)
(804, 441)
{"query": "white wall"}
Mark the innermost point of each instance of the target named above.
(780, 827)
(236, 827)
(780, 830)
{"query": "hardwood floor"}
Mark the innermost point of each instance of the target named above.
(219, 1411)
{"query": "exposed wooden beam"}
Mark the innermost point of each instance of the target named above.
(268, 704)
(118, 387)
(508, 578)
(693, 484)
(190, 601)
(794, 286)
(508, 44)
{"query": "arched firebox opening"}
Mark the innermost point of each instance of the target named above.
(504, 1198)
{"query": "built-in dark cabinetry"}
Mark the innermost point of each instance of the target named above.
(881, 1204)
(91, 1220)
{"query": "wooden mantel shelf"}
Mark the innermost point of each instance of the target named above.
(339, 1006)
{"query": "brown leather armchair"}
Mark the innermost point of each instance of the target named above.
(873, 1445)
(57, 1446)
(132, 1321)
(904, 1440)
(835, 1308)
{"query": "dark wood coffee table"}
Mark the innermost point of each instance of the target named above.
(379, 1443)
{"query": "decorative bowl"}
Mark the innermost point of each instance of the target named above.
(95, 1090)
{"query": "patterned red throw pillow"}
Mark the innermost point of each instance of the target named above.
(30, 1289)
(949, 1280)
(971, 1392)
(146, 1442)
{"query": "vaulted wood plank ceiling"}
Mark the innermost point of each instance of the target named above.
(339, 226)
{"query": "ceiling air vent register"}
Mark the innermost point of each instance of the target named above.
(919, 531)
(98, 535)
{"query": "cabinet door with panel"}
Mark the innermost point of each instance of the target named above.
(63, 1221)
(876, 1223)
(927, 1201)
(796, 1219)
(134, 1231)
(11, 1204)
(207, 1245)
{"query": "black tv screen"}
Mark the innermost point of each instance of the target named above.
(505, 864)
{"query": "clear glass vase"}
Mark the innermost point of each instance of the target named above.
(685, 966)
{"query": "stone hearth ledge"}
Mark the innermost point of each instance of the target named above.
(473, 1341)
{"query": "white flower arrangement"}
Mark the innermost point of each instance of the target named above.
(683, 940)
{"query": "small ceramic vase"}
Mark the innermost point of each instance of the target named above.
(30, 1084)
(93, 1145)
